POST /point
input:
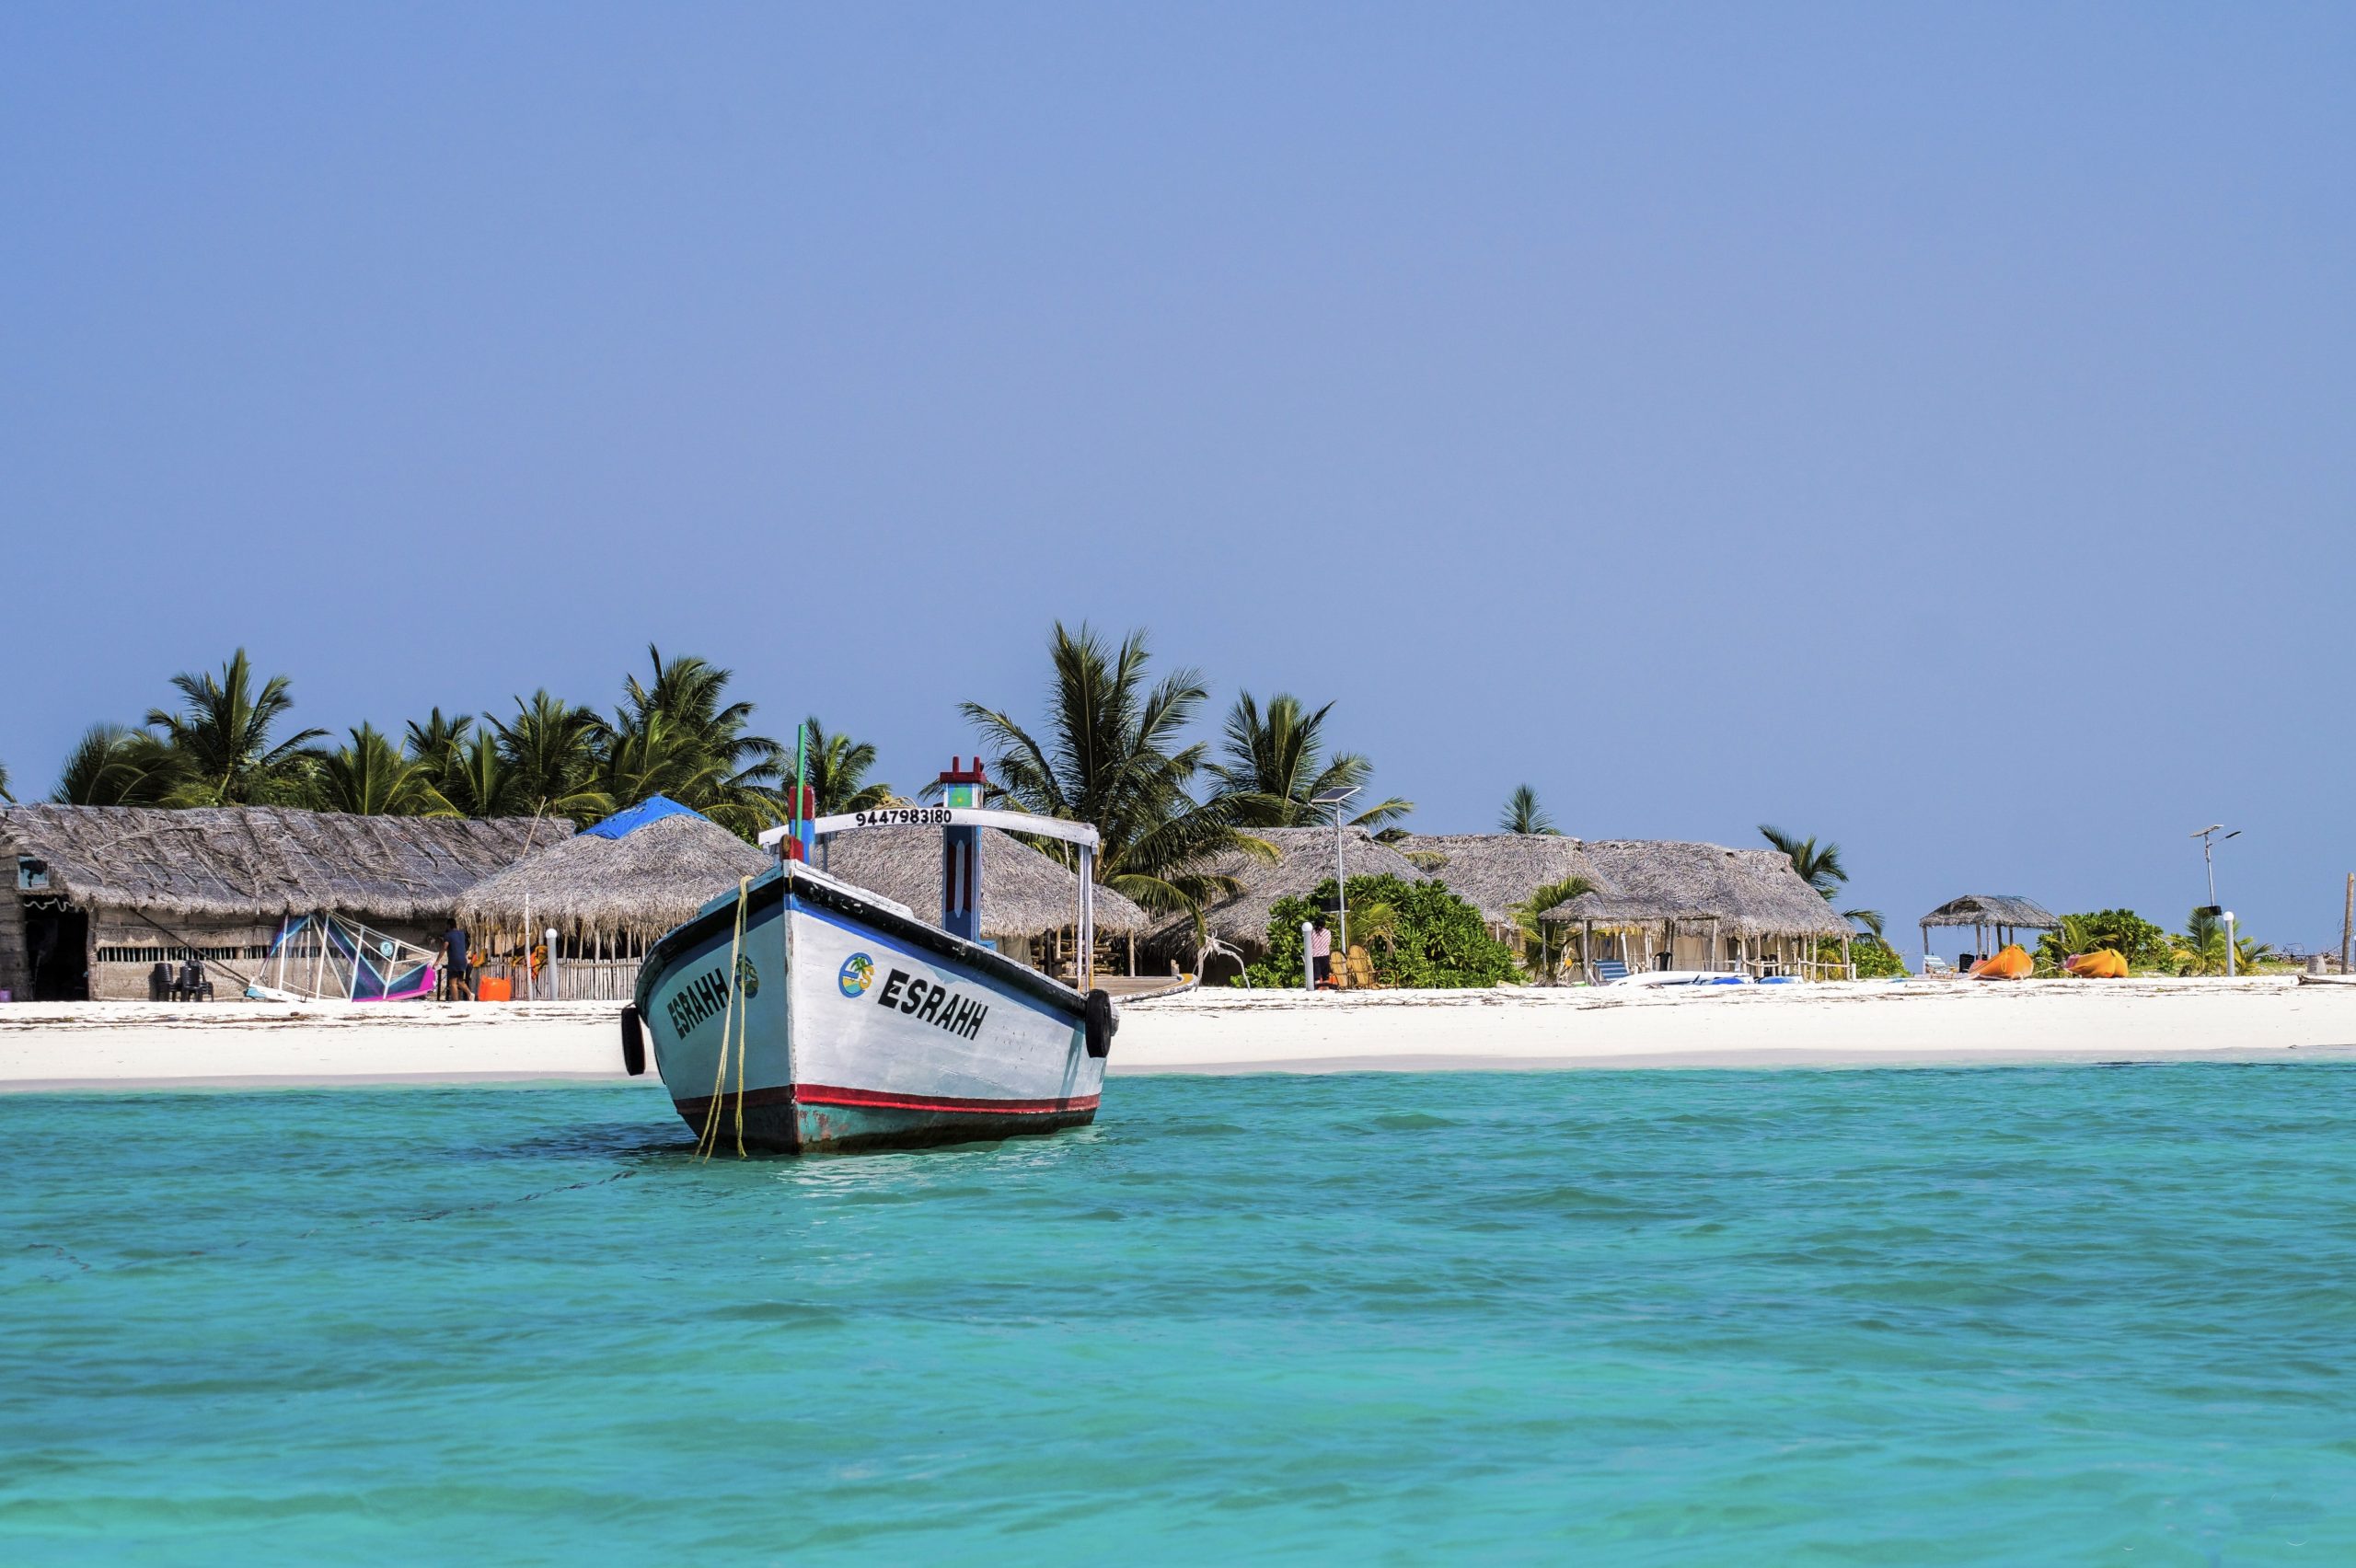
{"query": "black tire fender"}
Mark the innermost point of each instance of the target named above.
(1103, 1024)
(633, 1044)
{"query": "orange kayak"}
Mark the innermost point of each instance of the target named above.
(2013, 963)
(2100, 965)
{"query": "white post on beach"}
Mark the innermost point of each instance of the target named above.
(1308, 965)
(1337, 799)
(1087, 966)
(2208, 860)
(554, 990)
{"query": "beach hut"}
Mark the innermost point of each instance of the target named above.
(1495, 872)
(1030, 901)
(1672, 905)
(608, 893)
(1999, 914)
(1304, 859)
(100, 895)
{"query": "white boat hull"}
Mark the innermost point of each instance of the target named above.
(850, 1025)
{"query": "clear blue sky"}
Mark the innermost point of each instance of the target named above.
(1927, 429)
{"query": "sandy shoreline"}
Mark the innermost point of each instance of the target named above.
(230, 1046)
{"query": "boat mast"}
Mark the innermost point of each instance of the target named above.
(961, 852)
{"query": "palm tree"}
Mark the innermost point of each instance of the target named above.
(221, 738)
(1539, 955)
(678, 736)
(1819, 865)
(436, 739)
(1273, 763)
(474, 780)
(1108, 758)
(838, 769)
(3, 785)
(2201, 948)
(1524, 814)
(438, 745)
(548, 755)
(114, 766)
(369, 777)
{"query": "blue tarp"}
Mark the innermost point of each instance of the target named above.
(654, 807)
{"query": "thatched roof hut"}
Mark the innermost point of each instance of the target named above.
(1999, 913)
(97, 895)
(1496, 872)
(633, 888)
(1024, 892)
(265, 861)
(1746, 894)
(1304, 859)
(1687, 906)
(1993, 909)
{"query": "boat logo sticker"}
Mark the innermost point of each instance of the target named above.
(858, 975)
(748, 979)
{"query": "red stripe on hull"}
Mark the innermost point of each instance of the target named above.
(828, 1094)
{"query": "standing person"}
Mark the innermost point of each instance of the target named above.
(1321, 953)
(455, 968)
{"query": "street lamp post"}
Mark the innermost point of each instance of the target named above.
(1337, 799)
(2215, 910)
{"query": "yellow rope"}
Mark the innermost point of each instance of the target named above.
(738, 1021)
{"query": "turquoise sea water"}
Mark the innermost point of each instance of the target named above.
(1906, 1317)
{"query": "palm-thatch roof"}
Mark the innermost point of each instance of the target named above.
(1304, 858)
(640, 884)
(266, 861)
(1024, 892)
(1749, 892)
(1993, 909)
(1494, 872)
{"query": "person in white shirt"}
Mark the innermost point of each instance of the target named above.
(1321, 952)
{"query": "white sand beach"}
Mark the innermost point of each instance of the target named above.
(1858, 1023)
(138, 1044)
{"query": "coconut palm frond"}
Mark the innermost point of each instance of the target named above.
(1818, 864)
(224, 735)
(368, 776)
(1109, 754)
(1523, 813)
(1542, 942)
(112, 765)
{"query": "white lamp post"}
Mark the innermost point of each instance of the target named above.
(1337, 799)
(2207, 860)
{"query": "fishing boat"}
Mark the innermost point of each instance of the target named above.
(799, 1014)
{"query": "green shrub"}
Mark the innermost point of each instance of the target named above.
(1420, 936)
(1876, 959)
(2143, 945)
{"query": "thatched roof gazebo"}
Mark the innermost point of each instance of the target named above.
(1025, 894)
(631, 888)
(2001, 913)
(607, 899)
(1743, 909)
(1496, 872)
(114, 889)
(1304, 859)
